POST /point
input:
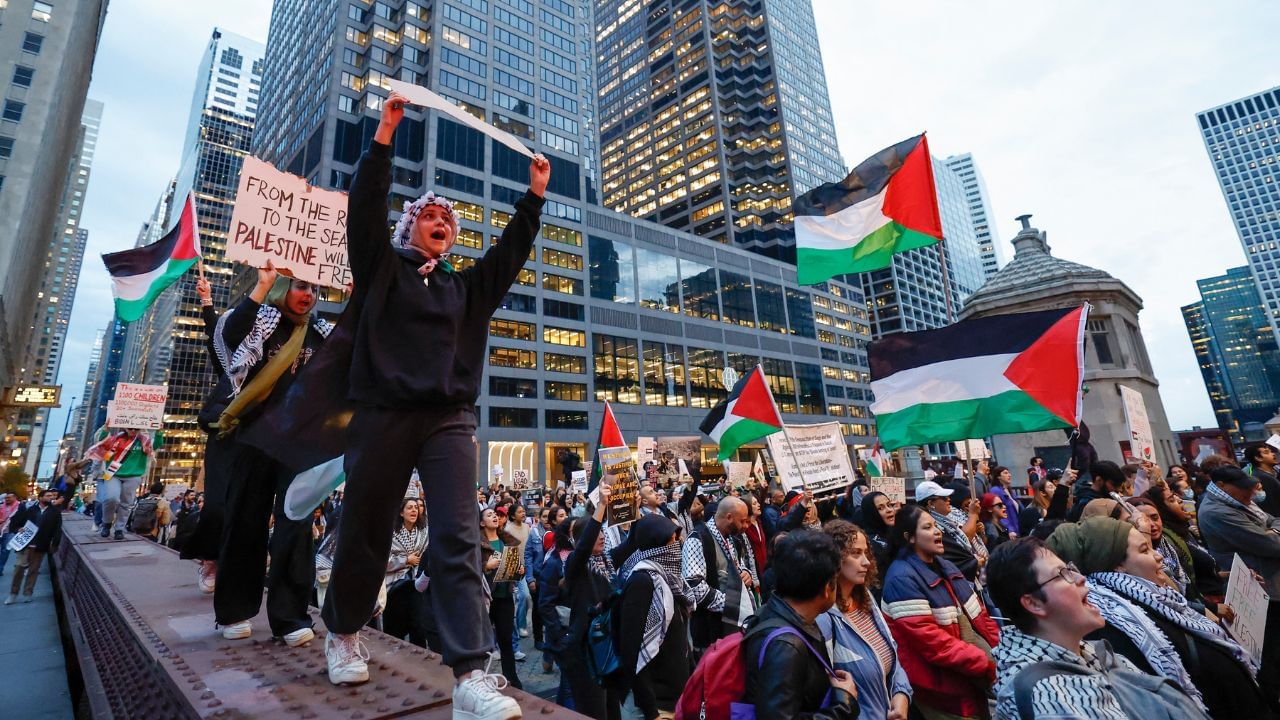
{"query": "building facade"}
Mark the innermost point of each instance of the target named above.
(1242, 138)
(1115, 353)
(74, 440)
(104, 378)
(609, 307)
(980, 214)
(46, 60)
(1236, 349)
(713, 118)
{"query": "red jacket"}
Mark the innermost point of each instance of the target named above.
(755, 535)
(923, 609)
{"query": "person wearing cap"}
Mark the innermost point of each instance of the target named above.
(962, 544)
(1262, 459)
(1108, 478)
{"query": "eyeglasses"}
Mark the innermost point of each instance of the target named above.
(1068, 573)
(998, 505)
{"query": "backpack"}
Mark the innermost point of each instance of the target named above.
(601, 644)
(1141, 696)
(143, 519)
(717, 685)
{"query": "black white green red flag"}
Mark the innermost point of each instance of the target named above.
(610, 437)
(887, 205)
(989, 376)
(748, 414)
(139, 275)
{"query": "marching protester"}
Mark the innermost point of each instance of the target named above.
(1108, 478)
(1262, 460)
(721, 579)
(46, 514)
(878, 514)
(494, 543)
(754, 533)
(1171, 561)
(408, 545)
(9, 506)
(1044, 666)
(555, 606)
(1042, 493)
(121, 458)
(518, 529)
(858, 636)
(944, 633)
(534, 553)
(151, 513)
(1204, 583)
(420, 333)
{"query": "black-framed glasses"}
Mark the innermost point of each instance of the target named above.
(1068, 573)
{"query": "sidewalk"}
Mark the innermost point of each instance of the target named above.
(31, 653)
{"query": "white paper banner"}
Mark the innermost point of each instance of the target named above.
(821, 452)
(23, 536)
(977, 447)
(137, 406)
(579, 481)
(1249, 601)
(421, 96)
(1141, 442)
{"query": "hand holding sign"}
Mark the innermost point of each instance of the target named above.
(392, 114)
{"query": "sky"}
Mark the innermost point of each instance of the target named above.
(1082, 114)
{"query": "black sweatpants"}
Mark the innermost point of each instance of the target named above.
(601, 703)
(206, 540)
(502, 613)
(255, 495)
(383, 447)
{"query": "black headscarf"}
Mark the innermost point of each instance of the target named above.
(871, 519)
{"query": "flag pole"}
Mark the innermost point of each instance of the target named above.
(968, 454)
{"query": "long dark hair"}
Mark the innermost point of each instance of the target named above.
(871, 519)
(904, 527)
(846, 534)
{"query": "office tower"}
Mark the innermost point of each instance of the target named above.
(713, 117)
(609, 307)
(56, 294)
(80, 414)
(1241, 138)
(916, 292)
(150, 345)
(115, 337)
(1236, 349)
(980, 214)
(46, 59)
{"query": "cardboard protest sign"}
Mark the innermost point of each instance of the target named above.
(301, 230)
(23, 537)
(978, 448)
(418, 95)
(579, 481)
(819, 450)
(737, 473)
(137, 406)
(619, 473)
(520, 479)
(894, 487)
(509, 564)
(1249, 601)
(1142, 444)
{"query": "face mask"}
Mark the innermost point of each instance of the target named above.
(1188, 494)
(1260, 496)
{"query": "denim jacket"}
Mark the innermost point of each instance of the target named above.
(850, 652)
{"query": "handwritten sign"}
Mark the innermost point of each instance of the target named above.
(819, 451)
(301, 230)
(509, 565)
(737, 473)
(977, 447)
(1141, 441)
(137, 406)
(23, 537)
(894, 487)
(1249, 601)
(520, 479)
(619, 473)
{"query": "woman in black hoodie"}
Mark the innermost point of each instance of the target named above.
(656, 602)
(878, 514)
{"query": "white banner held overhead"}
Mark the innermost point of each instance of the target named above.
(1249, 602)
(978, 447)
(419, 95)
(1141, 440)
(894, 487)
(137, 406)
(819, 449)
(279, 218)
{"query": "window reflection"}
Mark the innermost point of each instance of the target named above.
(782, 383)
(659, 280)
(705, 387)
(735, 297)
(809, 384)
(664, 372)
(612, 270)
(701, 290)
(800, 310)
(617, 369)
(769, 306)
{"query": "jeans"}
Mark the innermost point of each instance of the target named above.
(521, 592)
(117, 498)
(28, 562)
(4, 549)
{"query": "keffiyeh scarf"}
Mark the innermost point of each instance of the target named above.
(403, 233)
(403, 544)
(669, 588)
(250, 351)
(952, 524)
(602, 566)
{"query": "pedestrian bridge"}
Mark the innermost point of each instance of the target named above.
(145, 646)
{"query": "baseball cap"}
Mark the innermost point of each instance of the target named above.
(930, 489)
(1229, 475)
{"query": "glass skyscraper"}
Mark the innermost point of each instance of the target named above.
(713, 117)
(1242, 138)
(609, 307)
(980, 215)
(1236, 349)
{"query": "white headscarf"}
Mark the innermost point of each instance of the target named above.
(404, 226)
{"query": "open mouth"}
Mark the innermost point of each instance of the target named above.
(438, 235)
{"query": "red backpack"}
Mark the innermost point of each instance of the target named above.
(715, 690)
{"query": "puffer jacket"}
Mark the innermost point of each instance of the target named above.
(923, 606)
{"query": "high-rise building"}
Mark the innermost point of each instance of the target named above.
(168, 343)
(80, 415)
(1236, 348)
(980, 214)
(46, 60)
(115, 337)
(56, 295)
(1242, 138)
(609, 307)
(919, 292)
(713, 117)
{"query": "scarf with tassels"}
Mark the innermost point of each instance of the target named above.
(669, 588)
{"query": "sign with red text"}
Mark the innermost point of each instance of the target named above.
(137, 406)
(301, 230)
(1142, 442)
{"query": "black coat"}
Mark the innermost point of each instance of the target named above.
(791, 683)
(49, 520)
(658, 686)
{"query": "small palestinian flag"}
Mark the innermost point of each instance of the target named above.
(887, 205)
(139, 275)
(990, 376)
(748, 414)
(610, 437)
(876, 462)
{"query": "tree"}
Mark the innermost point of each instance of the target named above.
(14, 481)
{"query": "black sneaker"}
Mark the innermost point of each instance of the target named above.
(105, 531)
(119, 535)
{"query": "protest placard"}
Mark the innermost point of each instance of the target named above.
(1274, 441)
(819, 450)
(24, 536)
(520, 479)
(137, 406)
(1249, 601)
(669, 451)
(1142, 443)
(279, 218)
(978, 447)
(579, 481)
(509, 564)
(757, 470)
(737, 473)
(894, 487)
(619, 473)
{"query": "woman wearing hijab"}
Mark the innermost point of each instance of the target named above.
(656, 602)
(878, 513)
(1153, 625)
(1203, 581)
(589, 575)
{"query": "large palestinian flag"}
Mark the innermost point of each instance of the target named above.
(989, 376)
(748, 414)
(887, 205)
(139, 275)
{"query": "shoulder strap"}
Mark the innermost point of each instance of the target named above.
(788, 630)
(1025, 681)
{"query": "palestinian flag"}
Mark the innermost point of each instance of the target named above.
(138, 276)
(887, 205)
(876, 462)
(610, 437)
(989, 376)
(748, 414)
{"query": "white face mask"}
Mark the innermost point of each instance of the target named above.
(1260, 496)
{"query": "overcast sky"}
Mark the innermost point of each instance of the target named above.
(1082, 114)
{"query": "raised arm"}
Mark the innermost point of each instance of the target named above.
(367, 197)
(493, 274)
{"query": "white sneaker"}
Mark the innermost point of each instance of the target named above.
(207, 575)
(524, 633)
(298, 638)
(478, 697)
(28, 598)
(520, 656)
(12, 599)
(347, 657)
(237, 631)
